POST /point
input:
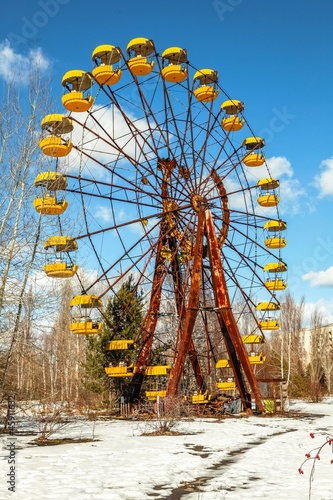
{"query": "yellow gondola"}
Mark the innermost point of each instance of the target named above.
(105, 56)
(122, 344)
(232, 122)
(57, 124)
(55, 146)
(138, 50)
(60, 266)
(276, 241)
(204, 82)
(50, 205)
(276, 267)
(153, 395)
(120, 371)
(256, 359)
(77, 82)
(82, 308)
(51, 181)
(268, 306)
(268, 184)
(157, 375)
(268, 200)
(166, 253)
(174, 68)
(226, 385)
(254, 157)
(201, 398)
(222, 363)
(270, 324)
(274, 226)
(60, 270)
(157, 370)
(253, 339)
(276, 285)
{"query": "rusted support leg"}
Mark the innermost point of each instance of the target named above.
(230, 328)
(179, 296)
(191, 310)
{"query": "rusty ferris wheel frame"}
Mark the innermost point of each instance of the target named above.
(151, 149)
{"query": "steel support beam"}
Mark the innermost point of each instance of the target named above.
(237, 352)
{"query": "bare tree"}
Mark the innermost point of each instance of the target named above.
(20, 226)
(328, 356)
(317, 349)
(291, 350)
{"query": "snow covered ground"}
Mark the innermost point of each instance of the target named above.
(233, 458)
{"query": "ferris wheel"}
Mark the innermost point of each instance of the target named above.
(174, 190)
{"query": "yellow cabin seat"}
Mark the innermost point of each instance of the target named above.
(222, 363)
(60, 270)
(122, 344)
(86, 327)
(254, 160)
(49, 205)
(77, 102)
(268, 200)
(232, 123)
(153, 395)
(204, 398)
(55, 146)
(268, 306)
(257, 359)
(276, 285)
(275, 242)
(120, 371)
(271, 324)
(226, 386)
(175, 73)
(253, 339)
(106, 75)
(157, 370)
(140, 66)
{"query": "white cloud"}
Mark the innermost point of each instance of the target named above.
(324, 181)
(103, 213)
(17, 67)
(279, 166)
(323, 306)
(291, 191)
(320, 278)
(107, 137)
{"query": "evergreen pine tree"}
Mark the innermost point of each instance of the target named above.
(123, 316)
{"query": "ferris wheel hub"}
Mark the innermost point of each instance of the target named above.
(198, 201)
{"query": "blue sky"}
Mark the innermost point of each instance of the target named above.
(274, 56)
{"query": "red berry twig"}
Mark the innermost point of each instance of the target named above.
(314, 455)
